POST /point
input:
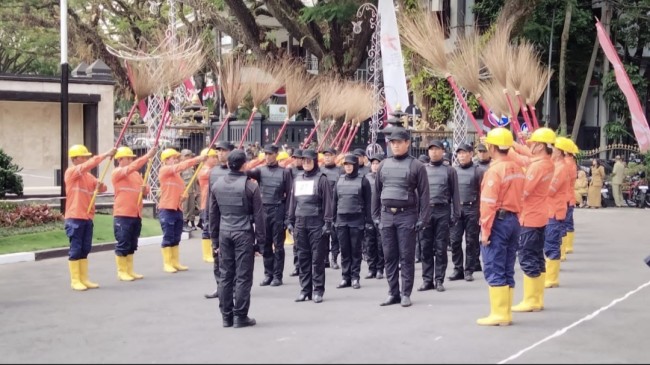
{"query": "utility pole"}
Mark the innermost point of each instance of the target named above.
(63, 6)
(547, 102)
(604, 108)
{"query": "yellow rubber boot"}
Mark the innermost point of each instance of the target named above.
(206, 245)
(552, 274)
(83, 265)
(539, 290)
(569, 242)
(75, 276)
(529, 302)
(167, 260)
(499, 307)
(129, 267)
(511, 297)
(288, 238)
(122, 269)
(175, 259)
(563, 249)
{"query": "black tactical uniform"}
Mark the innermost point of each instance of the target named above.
(402, 202)
(445, 209)
(310, 212)
(275, 185)
(220, 170)
(332, 172)
(352, 209)
(295, 171)
(236, 206)
(483, 164)
(469, 187)
(373, 237)
(364, 168)
(418, 244)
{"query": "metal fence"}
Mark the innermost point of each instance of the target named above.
(421, 139)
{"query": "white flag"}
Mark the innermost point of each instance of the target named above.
(391, 58)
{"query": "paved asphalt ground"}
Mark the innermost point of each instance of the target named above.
(599, 314)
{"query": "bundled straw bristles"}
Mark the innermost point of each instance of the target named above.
(329, 99)
(301, 89)
(465, 62)
(497, 55)
(493, 95)
(359, 101)
(263, 78)
(232, 84)
(424, 34)
(524, 66)
(535, 85)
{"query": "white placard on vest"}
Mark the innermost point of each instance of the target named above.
(304, 188)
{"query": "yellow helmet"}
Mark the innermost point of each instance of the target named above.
(124, 152)
(168, 152)
(283, 155)
(564, 144)
(78, 150)
(576, 150)
(500, 137)
(261, 155)
(543, 135)
(209, 152)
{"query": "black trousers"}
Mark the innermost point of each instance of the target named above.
(312, 249)
(273, 248)
(374, 251)
(398, 244)
(215, 266)
(237, 263)
(351, 241)
(468, 225)
(435, 240)
(333, 245)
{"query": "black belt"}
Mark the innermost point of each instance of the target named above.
(438, 204)
(395, 210)
(468, 203)
(502, 213)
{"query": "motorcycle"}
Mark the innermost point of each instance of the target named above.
(640, 195)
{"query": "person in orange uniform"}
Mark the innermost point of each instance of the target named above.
(569, 228)
(170, 211)
(127, 213)
(558, 204)
(501, 191)
(536, 158)
(79, 187)
(203, 178)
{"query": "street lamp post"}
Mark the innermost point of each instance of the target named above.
(63, 6)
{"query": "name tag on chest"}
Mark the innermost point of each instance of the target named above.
(304, 188)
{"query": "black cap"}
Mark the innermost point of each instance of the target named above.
(378, 157)
(482, 148)
(464, 147)
(436, 143)
(236, 159)
(351, 158)
(424, 158)
(399, 133)
(297, 153)
(271, 148)
(310, 154)
(330, 150)
(359, 152)
(222, 145)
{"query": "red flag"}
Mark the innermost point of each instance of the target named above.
(639, 121)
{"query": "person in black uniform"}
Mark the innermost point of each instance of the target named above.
(310, 212)
(221, 169)
(352, 209)
(402, 202)
(296, 168)
(275, 184)
(373, 237)
(364, 166)
(236, 207)
(332, 172)
(418, 244)
(470, 177)
(483, 157)
(445, 210)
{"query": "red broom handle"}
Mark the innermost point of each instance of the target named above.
(311, 135)
(248, 126)
(348, 142)
(460, 97)
(524, 111)
(327, 133)
(344, 137)
(281, 131)
(514, 121)
(221, 127)
(533, 113)
(338, 135)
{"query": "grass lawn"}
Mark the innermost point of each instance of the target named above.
(54, 235)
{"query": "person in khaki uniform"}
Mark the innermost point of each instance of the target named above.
(618, 175)
(596, 183)
(580, 188)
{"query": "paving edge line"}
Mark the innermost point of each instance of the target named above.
(16, 257)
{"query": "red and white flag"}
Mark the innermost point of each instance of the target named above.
(639, 121)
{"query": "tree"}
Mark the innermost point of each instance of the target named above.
(10, 181)
(562, 77)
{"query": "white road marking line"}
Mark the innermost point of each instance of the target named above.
(562, 331)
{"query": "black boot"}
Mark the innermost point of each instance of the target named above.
(244, 321)
(457, 275)
(212, 295)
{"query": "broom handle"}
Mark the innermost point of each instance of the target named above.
(311, 135)
(117, 143)
(345, 129)
(216, 135)
(460, 97)
(284, 125)
(486, 110)
(524, 111)
(248, 127)
(339, 133)
(348, 141)
(533, 113)
(327, 133)
(515, 122)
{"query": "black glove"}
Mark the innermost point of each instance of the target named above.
(327, 228)
(256, 247)
(419, 226)
(290, 228)
(376, 223)
(370, 227)
(453, 220)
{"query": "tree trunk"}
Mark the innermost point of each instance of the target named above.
(585, 91)
(561, 76)
(519, 10)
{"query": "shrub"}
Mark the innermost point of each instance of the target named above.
(21, 216)
(10, 181)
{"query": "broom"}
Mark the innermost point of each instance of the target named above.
(493, 94)
(525, 59)
(301, 90)
(534, 87)
(328, 105)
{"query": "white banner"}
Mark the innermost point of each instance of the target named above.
(391, 58)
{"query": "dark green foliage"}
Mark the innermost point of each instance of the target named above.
(10, 181)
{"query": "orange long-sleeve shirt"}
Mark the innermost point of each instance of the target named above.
(172, 184)
(80, 185)
(127, 183)
(557, 191)
(204, 184)
(502, 188)
(573, 176)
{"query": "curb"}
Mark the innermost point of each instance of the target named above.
(16, 257)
